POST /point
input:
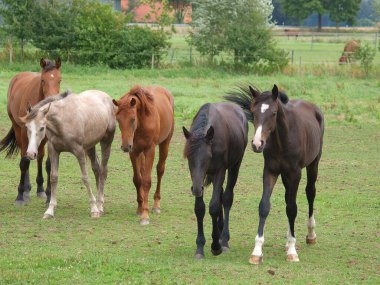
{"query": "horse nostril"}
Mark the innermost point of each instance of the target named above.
(262, 143)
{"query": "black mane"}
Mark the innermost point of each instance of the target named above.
(34, 111)
(49, 65)
(243, 97)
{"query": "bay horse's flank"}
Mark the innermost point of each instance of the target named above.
(146, 119)
(27, 89)
(215, 143)
(290, 137)
(74, 123)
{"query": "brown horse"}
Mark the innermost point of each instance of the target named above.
(146, 119)
(27, 89)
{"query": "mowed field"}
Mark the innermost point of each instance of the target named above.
(115, 249)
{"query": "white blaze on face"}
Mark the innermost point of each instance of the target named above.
(257, 137)
(264, 107)
(32, 137)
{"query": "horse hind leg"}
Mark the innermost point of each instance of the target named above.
(312, 174)
(96, 169)
(163, 154)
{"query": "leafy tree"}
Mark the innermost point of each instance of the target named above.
(180, 8)
(17, 19)
(239, 27)
(340, 10)
(366, 55)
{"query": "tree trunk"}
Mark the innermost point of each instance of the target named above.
(22, 50)
(319, 22)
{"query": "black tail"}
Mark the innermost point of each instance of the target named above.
(9, 144)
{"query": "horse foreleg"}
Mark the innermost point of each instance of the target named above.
(200, 210)
(215, 208)
(48, 186)
(136, 160)
(269, 180)
(292, 181)
(227, 200)
(146, 183)
(81, 157)
(24, 185)
(53, 164)
(164, 149)
(95, 166)
(312, 174)
(40, 178)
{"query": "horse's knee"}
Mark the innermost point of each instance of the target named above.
(160, 169)
(24, 164)
(214, 209)
(147, 183)
(264, 208)
(53, 179)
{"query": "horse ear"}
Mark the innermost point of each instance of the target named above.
(254, 92)
(275, 92)
(133, 102)
(47, 110)
(115, 102)
(58, 63)
(186, 133)
(42, 62)
(210, 134)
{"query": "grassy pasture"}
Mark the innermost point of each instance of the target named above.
(115, 249)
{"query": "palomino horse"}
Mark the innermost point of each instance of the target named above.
(290, 137)
(215, 143)
(29, 88)
(74, 123)
(146, 119)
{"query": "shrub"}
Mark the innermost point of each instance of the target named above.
(366, 55)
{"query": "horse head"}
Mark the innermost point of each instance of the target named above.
(264, 110)
(50, 77)
(126, 115)
(198, 153)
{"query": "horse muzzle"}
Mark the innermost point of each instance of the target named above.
(197, 191)
(127, 148)
(31, 155)
(258, 146)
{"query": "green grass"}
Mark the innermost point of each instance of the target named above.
(115, 249)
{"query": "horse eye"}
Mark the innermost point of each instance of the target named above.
(274, 113)
(41, 129)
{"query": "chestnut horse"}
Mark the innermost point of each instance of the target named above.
(25, 89)
(290, 135)
(146, 119)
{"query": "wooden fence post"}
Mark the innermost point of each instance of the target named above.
(292, 56)
(152, 61)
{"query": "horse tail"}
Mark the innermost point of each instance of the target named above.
(9, 144)
(243, 98)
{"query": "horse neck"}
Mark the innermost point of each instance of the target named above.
(280, 136)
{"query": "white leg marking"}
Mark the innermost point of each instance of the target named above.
(257, 137)
(264, 107)
(310, 227)
(258, 250)
(291, 246)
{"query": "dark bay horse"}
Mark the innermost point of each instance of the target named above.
(290, 136)
(74, 123)
(146, 119)
(215, 143)
(25, 89)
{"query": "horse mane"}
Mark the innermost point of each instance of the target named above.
(34, 111)
(197, 130)
(243, 97)
(146, 98)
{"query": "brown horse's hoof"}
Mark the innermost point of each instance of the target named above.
(20, 203)
(256, 259)
(292, 258)
(95, 215)
(144, 222)
(311, 240)
(156, 210)
(225, 249)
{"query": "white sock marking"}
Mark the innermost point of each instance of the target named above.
(258, 250)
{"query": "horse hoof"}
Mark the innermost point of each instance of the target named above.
(311, 240)
(216, 252)
(41, 194)
(199, 256)
(144, 222)
(95, 215)
(292, 258)
(20, 203)
(47, 216)
(26, 197)
(256, 259)
(225, 249)
(156, 210)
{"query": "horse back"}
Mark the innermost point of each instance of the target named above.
(24, 88)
